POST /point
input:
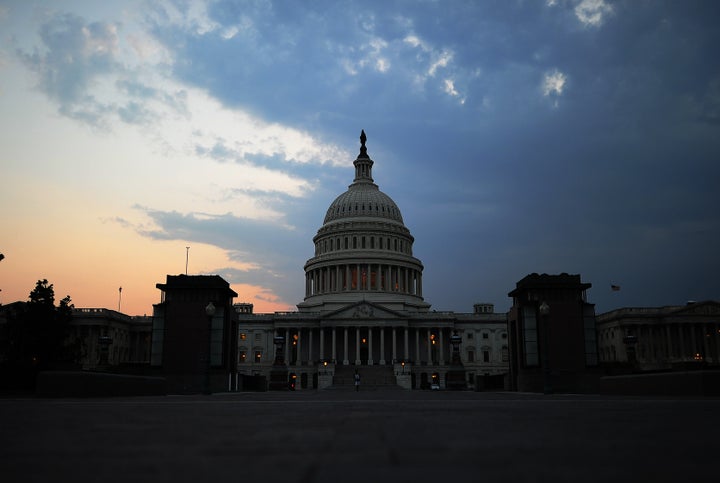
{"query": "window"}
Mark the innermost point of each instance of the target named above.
(242, 355)
(504, 335)
(243, 336)
(485, 335)
(258, 337)
(505, 356)
(258, 356)
(530, 336)
(469, 335)
(486, 356)
(471, 356)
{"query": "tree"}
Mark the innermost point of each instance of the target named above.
(37, 333)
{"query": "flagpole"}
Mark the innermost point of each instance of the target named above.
(119, 298)
(187, 257)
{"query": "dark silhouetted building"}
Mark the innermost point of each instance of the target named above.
(185, 333)
(552, 334)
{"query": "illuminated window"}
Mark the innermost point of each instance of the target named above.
(258, 356)
(242, 356)
(243, 336)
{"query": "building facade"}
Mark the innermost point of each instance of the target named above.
(194, 334)
(661, 338)
(364, 307)
(552, 334)
(104, 337)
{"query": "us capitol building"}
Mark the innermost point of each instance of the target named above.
(364, 309)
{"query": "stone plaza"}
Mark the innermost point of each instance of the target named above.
(367, 436)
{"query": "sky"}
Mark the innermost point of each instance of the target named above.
(517, 137)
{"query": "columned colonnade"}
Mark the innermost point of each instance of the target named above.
(363, 277)
(679, 342)
(366, 345)
(669, 342)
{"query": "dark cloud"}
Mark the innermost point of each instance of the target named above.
(611, 174)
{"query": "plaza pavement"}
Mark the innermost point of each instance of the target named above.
(368, 437)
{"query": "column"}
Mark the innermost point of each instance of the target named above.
(651, 350)
(299, 351)
(382, 346)
(310, 347)
(694, 340)
(429, 351)
(417, 345)
(406, 282)
(357, 346)
(706, 342)
(322, 345)
(358, 276)
(287, 346)
(668, 342)
(338, 283)
(420, 292)
(681, 329)
(334, 348)
(407, 344)
(370, 351)
(441, 359)
(394, 345)
(346, 359)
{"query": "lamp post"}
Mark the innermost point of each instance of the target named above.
(544, 310)
(210, 312)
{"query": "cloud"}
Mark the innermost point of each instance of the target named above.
(553, 83)
(592, 13)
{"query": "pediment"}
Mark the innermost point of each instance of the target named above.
(363, 310)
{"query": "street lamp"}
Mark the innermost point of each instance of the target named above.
(210, 312)
(544, 310)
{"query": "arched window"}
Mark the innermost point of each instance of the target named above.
(354, 242)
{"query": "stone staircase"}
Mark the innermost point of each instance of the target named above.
(371, 378)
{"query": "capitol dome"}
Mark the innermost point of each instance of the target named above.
(363, 251)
